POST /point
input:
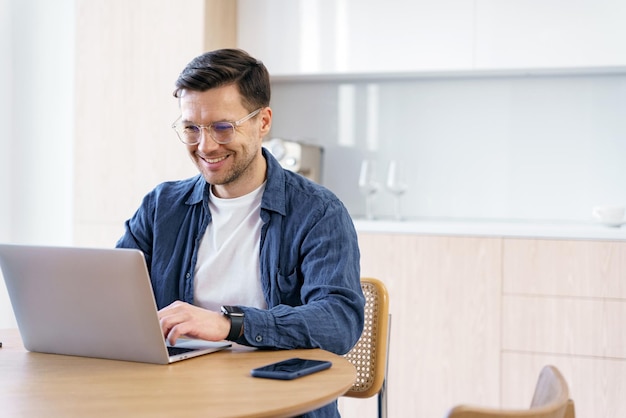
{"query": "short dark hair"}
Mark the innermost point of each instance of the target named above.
(228, 66)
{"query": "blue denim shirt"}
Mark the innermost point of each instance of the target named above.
(309, 260)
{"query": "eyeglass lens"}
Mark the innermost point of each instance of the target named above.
(221, 132)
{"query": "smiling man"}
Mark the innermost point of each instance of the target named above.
(245, 250)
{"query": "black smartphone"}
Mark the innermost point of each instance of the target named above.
(290, 368)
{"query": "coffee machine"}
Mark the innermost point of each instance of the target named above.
(297, 156)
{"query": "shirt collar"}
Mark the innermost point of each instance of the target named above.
(199, 192)
(274, 196)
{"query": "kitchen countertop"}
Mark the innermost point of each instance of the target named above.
(495, 228)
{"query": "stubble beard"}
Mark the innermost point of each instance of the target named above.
(234, 173)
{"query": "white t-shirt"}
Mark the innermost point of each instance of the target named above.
(228, 268)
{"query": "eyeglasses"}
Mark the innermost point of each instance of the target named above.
(222, 132)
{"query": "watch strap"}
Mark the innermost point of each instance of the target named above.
(236, 324)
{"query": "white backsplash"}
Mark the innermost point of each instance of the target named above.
(540, 147)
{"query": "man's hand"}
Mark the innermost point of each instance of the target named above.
(182, 319)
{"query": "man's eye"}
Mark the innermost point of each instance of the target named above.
(222, 127)
(192, 129)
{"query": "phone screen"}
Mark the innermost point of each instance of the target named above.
(291, 368)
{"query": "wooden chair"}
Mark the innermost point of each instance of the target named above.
(551, 400)
(369, 355)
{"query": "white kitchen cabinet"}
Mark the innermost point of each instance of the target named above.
(356, 36)
(347, 36)
(550, 34)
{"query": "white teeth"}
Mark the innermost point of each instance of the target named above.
(215, 160)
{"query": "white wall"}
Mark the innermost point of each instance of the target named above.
(5, 119)
(6, 314)
(36, 159)
(538, 148)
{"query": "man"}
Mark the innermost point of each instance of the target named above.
(246, 251)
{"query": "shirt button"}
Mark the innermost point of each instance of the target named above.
(188, 275)
(259, 338)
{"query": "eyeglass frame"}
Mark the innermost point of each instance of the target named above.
(233, 124)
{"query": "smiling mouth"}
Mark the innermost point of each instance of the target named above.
(213, 160)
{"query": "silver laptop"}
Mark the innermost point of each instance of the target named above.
(89, 302)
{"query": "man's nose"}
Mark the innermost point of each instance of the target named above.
(206, 140)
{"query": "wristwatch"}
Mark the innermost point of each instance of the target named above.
(235, 315)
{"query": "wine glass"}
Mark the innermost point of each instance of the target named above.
(397, 185)
(368, 186)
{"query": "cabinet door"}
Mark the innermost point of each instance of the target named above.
(550, 34)
(564, 304)
(304, 37)
(565, 268)
(596, 384)
(445, 330)
(561, 325)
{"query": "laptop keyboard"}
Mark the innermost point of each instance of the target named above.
(174, 351)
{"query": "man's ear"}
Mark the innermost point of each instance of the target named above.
(266, 120)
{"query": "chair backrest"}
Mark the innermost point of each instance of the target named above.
(369, 355)
(550, 400)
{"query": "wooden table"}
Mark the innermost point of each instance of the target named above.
(214, 385)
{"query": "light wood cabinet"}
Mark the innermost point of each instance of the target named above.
(596, 383)
(565, 268)
(564, 303)
(475, 319)
(445, 332)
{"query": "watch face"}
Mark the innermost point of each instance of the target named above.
(232, 310)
